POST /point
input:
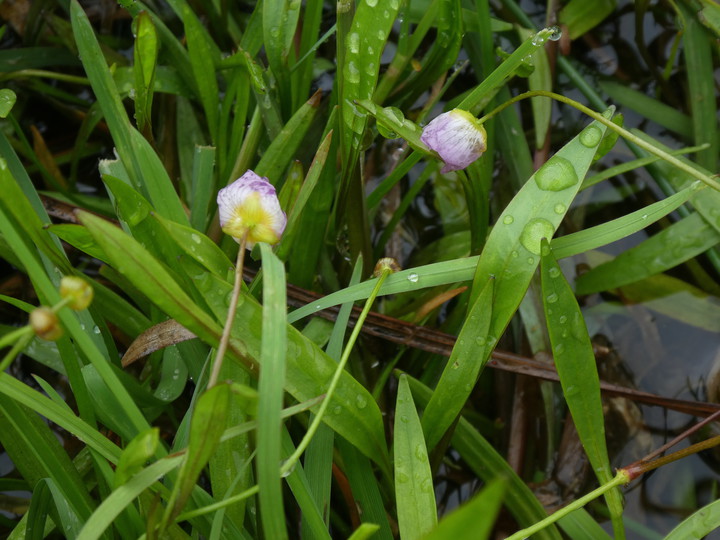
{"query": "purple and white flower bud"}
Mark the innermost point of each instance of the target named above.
(457, 137)
(249, 206)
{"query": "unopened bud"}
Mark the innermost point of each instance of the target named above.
(45, 323)
(386, 263)
(77, 290)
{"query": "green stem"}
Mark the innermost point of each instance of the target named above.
(293, 459)
(621, 478)
(225, 338)
(46, 75)
(692, 171)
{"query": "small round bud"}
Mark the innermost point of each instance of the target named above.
(77, 290)
(45, 323)
(457, 137)
(386, 263)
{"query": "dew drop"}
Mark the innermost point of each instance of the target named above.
(514, 254)
(352, 73)
(534, 232)
(554, 272)
(353, 42)
(401, 477)
(413, 278)
(556, 33)
(360, 402)
(560, 208)
(559, 348)
(562, 319)
(557, 174)
(420, 452)
(531, 260)
(426, 485)
(591, 136)
(455, 365)
(96, 330)
(480, 341)
(337, 409)
(551, 298)
(404, 419)
(507, 220)
(195, 238)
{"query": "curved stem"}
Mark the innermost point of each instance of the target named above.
(290, 462)
(692, 171)
(621, 478)
(225, 338)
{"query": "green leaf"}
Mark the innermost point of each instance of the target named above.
(203, 59)
(363, 47)
(414, 491)
(670, 247)
(461, 371)
(7, 101)
(270, 389)
(488, 464)
(617, 229)
(576, 367)
(474, 520)
(699, 524)
(284, 145)
(581, 16)
(142, 163)
(138, 451)
(106, 514)
(206, 427)
(145, 55)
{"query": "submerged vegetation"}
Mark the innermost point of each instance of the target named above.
(521, 200)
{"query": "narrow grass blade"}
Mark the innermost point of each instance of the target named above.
(489, 465)
(123, 496)
(203, 186)
(688, 238)
(203, 59)
(363, 47)
(284, 145)
(601, 235)
(308, 187)
(145, 53)
(60, 415)
(414, 492)
(580, 16)
(697, 50)
(135, 455)
(474, 520)
(143, 164)
(648, 107)
(699, 524)
(575, 364)
(206, 427)
(270, 390)
(280, 18)
(37, 454)
(461, 371)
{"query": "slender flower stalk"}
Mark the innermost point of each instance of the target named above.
(384, 268)
(232, 308)
(249, 212)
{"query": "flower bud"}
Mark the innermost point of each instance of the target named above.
(45, 323)
(386, 263)
(77, 290)
(249, 207)
(457, 137)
